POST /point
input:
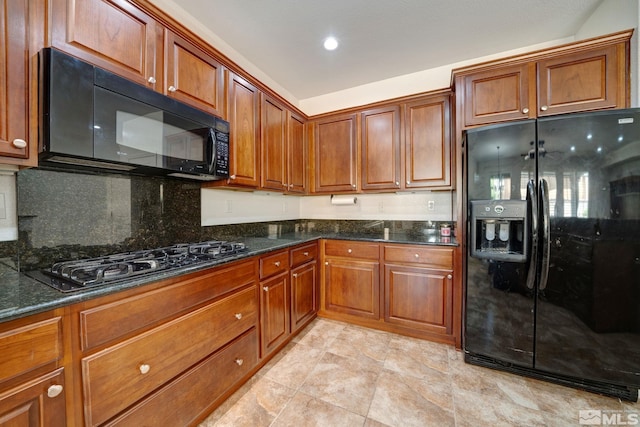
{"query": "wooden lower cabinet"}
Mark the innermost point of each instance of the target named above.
(38, 402)
(303, 294)
(418, 298)
(275, 307)
(196, 392)
(402, 288)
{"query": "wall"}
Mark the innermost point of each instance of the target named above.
(233, 207)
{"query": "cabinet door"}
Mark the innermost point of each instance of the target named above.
(352, 287)
(497, 95)
(381, 148)
(245, 133)
(427, 145)
(335, 154)
(580, 82)
(193, 76)
(297, 155)
(273, 148)
(274, 316)
(303, 294)
(14, 81)
(111, 34)
(40, 402)
(418, 298)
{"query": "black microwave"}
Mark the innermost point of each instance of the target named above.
(92, 118)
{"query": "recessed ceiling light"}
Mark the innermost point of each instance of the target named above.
(330, 43)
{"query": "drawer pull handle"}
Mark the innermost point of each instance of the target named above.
(238, 316)
(239, 361)
(265, 288)
(144, 368)
(417, 256)
(19, 143)
(525, 110)
(449, 276)
(544, 108)
(172, 89)
(151, 80)
(54, 390)
(349, 251)
(305, 253)
(277, 263)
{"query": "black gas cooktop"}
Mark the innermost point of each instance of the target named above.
(69, 276)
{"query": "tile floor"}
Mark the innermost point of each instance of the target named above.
(336, 374)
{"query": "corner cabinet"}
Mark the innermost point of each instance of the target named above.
(584, 76)
(17, 144)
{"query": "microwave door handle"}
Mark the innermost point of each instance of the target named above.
(546, 233)
(211, 151)
(532, 206)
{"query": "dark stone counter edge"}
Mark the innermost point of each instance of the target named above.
(22, 296)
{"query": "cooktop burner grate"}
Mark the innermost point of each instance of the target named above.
(78, 274)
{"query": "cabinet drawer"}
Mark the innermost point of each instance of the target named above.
(198, 388)
(30, 346)
(437, 257)
(303, 254)
(274, 264)
(122, 374)
(350, 249)
(107, 322)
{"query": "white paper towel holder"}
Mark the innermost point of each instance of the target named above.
(343, 200)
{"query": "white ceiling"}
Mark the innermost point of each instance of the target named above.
(379, 39)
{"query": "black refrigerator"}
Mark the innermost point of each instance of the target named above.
(552, 268)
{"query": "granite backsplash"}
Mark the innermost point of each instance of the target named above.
(67, 215)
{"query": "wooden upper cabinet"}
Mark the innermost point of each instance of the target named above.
(112, 34)
(497, 95)
(244, 116)
(14, 83)
(427, 143)
(580, 81)
(583, 76)
(193, 76)
(297, 154)
(274, 145)
(381, 148)
(335, 150)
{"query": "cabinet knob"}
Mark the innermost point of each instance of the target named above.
(232, 177)
(525, 110)
(353, 185)
(544, 108)
(305, 253)
(144, 368)
(397, 183)
(239, 361)
(265, 288)
(151, 80)
(172, 89)
(19, 143)
(277, 263)
(295, 275)
(238, 316)
(417, 256)
(54, 390)
(326, 263)
(290, 185)
(408, 182)
(449, 276)
(349, 251)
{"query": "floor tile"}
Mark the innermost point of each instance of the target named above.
(307, 411)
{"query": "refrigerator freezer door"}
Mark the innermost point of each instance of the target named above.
(499, 306)
(588, 308)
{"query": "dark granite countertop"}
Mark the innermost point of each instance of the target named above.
(21, 296)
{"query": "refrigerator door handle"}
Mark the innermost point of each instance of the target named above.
(533, 204)
(546, 231)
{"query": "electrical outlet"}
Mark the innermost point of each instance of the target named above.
(431, 205)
